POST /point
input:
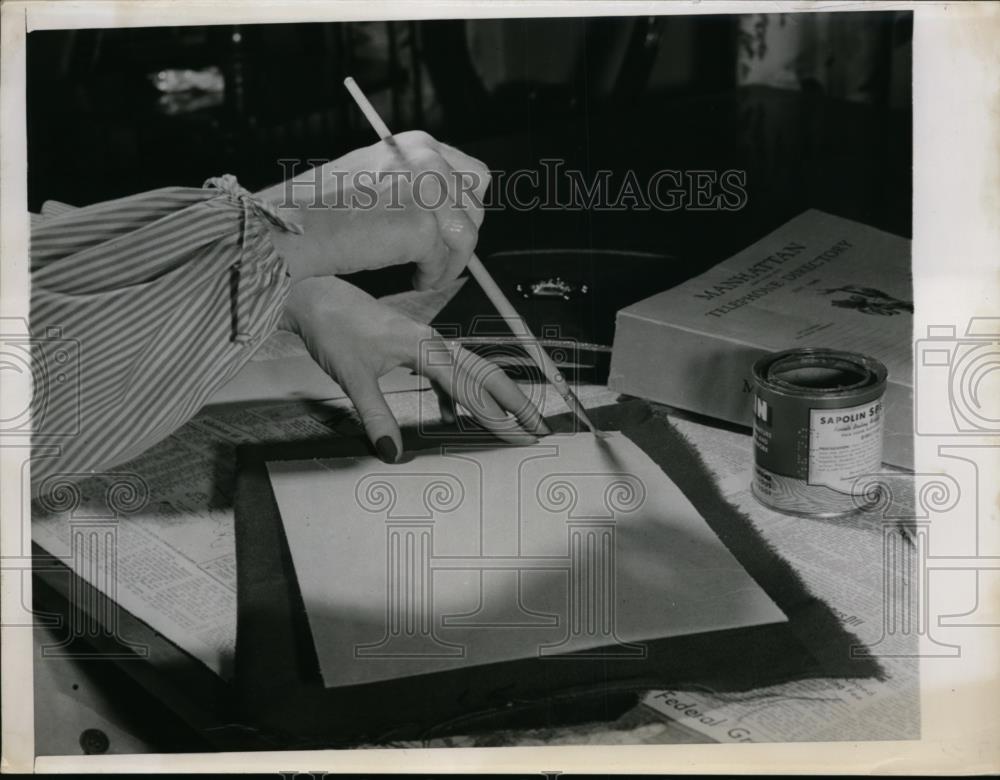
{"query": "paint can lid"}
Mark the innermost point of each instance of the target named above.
(819, 373)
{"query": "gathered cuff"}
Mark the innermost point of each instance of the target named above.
(227, 183)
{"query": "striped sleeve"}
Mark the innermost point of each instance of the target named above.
(140, 309)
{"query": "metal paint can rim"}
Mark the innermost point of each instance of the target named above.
(871, 373)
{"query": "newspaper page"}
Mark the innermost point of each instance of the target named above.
(841, 562)
(175, 560)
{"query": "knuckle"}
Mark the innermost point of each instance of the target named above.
(422, 136)
(407, 136)
(372, 415)
(375, 415)
(465, 236)
(434, 351)
(426, 232)
(424, 157)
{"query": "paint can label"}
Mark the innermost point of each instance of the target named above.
(844, 444)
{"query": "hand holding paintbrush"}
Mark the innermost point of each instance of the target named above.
(493, 292)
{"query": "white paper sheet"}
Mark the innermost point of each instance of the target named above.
(469, 557)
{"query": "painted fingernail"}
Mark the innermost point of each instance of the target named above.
(386, 449)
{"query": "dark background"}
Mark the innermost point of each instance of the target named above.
(640, 93)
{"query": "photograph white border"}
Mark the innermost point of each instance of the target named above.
(956, 269)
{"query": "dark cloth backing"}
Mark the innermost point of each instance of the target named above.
(280, 691)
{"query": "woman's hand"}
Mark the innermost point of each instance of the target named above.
(407, 199)
(356, 339)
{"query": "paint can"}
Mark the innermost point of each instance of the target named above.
(817, 428)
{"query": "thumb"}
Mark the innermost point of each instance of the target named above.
(379, 422)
